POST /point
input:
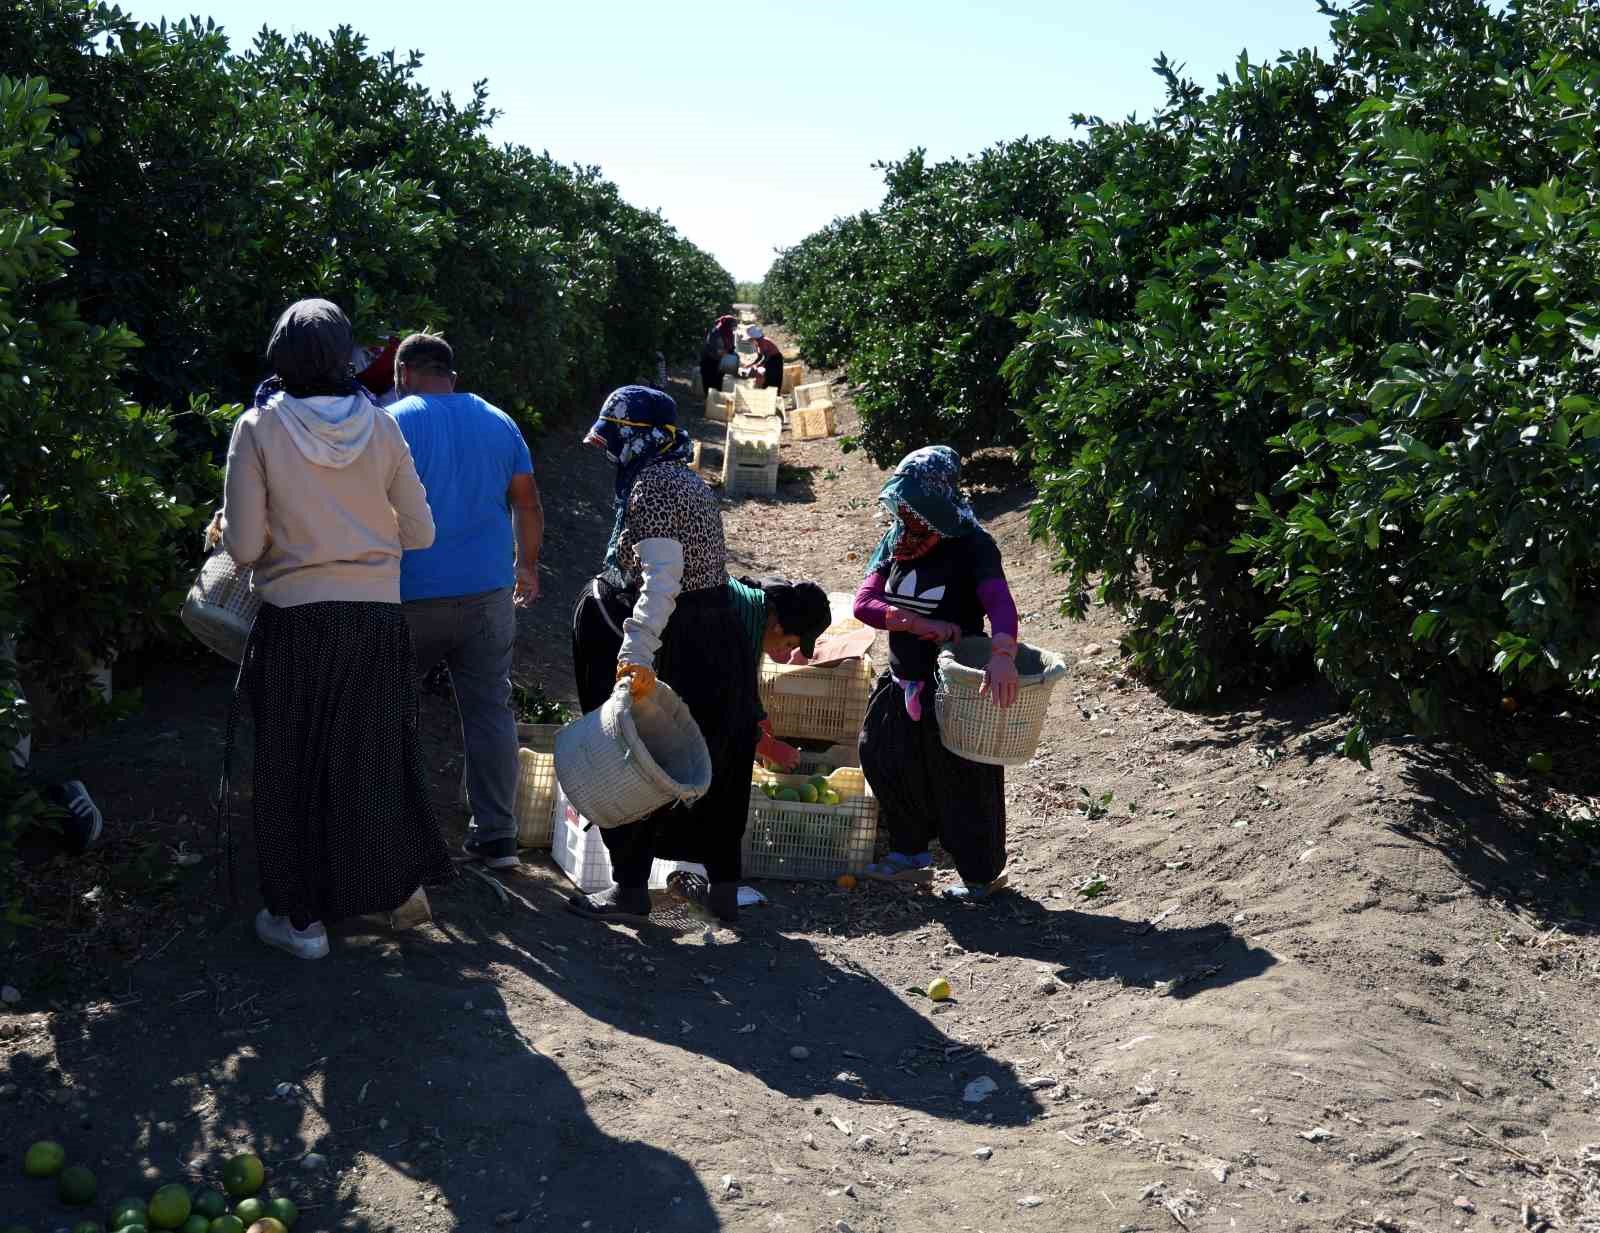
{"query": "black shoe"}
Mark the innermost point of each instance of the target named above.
(495, 853)
(81, 828)
(626, 905)
(721, 899)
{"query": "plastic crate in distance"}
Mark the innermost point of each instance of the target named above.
(754, 440)
(814, 392)
(807, 703)
(747, 400)
(812, 423)
(719, 407)
(794, 372)
(810, 842)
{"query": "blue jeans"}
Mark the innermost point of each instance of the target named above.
(474, 635)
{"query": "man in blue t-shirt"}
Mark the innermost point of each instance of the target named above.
(460, 595)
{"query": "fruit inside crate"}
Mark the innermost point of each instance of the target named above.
(788, 836)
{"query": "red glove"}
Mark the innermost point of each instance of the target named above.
(770, 749)
(903, 622)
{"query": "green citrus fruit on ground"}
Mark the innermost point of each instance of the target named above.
(267, 1225)
(197, 1224)
(249, 1211)
(227, 1224)
(1543, 763)
(88, 1226)
(243, 1175)
(169, 1207)
(44, 1159)
(210, 1204)
(77, 1186)
(283, 1211)
(126, 1212)
(939, 989)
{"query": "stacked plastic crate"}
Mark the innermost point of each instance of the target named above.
(750, 456)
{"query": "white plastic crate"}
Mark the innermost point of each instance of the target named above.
(754, 440)
(580, 852)
(815, 392)
(747, 400)
(799, 841)
(719, 407)
(749, 481)
(817, 703)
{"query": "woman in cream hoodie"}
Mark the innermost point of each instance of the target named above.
(322, 497)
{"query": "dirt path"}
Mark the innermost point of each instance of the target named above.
(1310, 996)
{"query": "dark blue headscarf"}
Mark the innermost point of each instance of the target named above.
(639, 426)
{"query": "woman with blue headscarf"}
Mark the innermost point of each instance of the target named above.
(660, 607)
(934, 578)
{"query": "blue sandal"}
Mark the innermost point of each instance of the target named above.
(968, 893)
(898, 867)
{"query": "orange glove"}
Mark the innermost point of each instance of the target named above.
(642, 680)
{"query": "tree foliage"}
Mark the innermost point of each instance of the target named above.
(1306, 363)
(163, 196)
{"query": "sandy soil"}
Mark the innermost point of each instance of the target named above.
(1310, 996)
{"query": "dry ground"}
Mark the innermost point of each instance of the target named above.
(1311, 996)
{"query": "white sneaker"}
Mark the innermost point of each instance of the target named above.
(308, 943)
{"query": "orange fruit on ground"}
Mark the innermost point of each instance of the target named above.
(847, 881)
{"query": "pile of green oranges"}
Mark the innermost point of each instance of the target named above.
(815, 791)
(173, 1206)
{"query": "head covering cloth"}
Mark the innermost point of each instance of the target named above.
(639, 427)
(926, 487)
(310, 352)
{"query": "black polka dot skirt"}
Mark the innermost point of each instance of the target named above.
(343, 821)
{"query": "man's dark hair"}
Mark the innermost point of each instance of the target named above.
(426, 352)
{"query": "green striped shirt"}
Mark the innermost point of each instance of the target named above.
(750, 606)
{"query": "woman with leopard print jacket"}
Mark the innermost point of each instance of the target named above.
(660, 608)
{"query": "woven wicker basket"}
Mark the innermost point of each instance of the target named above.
(974, 728)
(221, 606)
(630, 757)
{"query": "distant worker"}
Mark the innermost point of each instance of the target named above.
(719, 343)
(768, 366)
(459, 594)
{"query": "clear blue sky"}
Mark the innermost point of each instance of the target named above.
(749, 126)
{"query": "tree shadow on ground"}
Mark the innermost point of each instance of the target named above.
(744, 1002)
(397, 1054)
(1177, 961)
(1530, 839)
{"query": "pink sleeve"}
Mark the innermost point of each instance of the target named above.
(995, 596)
(870, 607)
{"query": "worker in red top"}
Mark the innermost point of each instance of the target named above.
(767, 368)
(719, 342)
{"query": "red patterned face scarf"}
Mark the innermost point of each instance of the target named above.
(917, 538)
